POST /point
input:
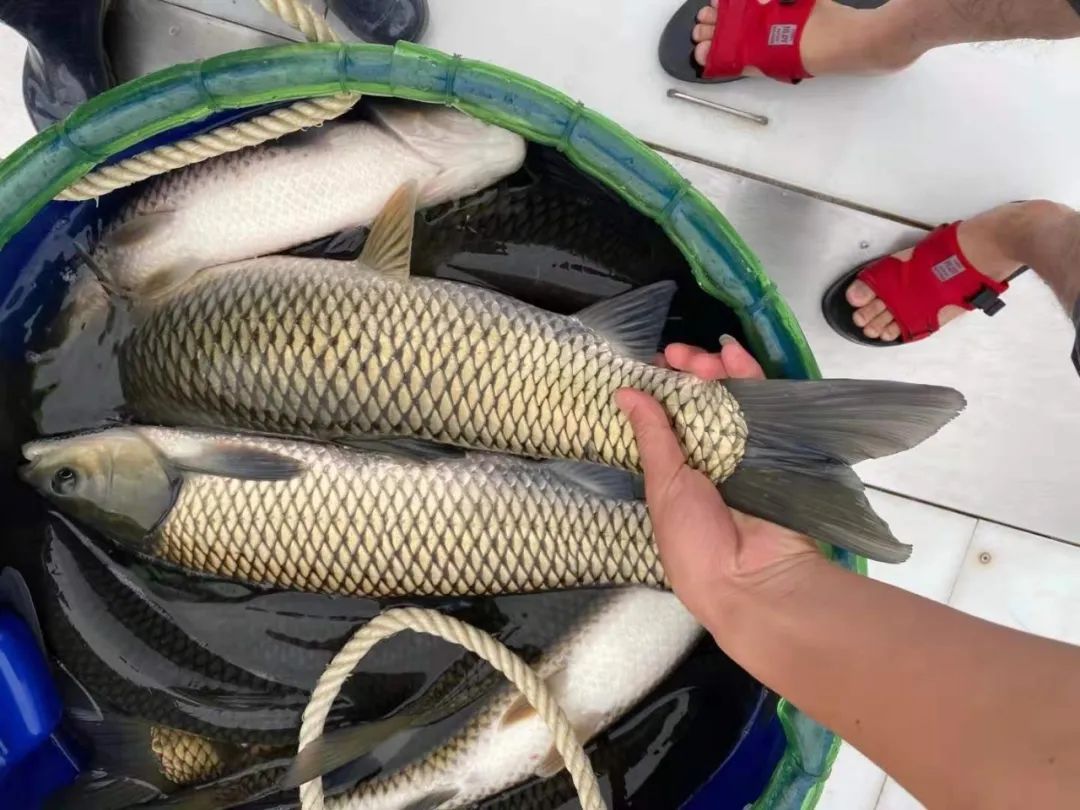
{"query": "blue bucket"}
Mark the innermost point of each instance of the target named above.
(778, 758)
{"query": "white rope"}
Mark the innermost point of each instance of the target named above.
(262, 128)
(476, 641)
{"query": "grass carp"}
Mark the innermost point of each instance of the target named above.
(333, 349)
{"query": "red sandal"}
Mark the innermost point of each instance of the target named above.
(937, 275)
(748, 33)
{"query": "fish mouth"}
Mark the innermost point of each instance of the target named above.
(26, 472)
(32, 452)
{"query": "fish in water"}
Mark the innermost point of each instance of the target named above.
(609, 660)
(135, 661)
(268, 198)
(380, 522)
(332, 349)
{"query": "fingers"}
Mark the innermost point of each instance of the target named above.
(740, 364)
(700, 363)
(661, 455)
(731, 361)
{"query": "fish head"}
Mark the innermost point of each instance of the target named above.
(469, 153)
(114, 481)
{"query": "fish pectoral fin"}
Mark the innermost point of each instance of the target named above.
(433, 800)
(340, 747)
(518, 712)
(606, 481)
(407, 448)
(223, 458)
(388, 249)
(634, 320)
(585, 728)
(122, 745)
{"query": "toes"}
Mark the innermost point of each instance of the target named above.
(702, 33)
(707, 15)
(859, 294)
(701, 52)
(877, 326)
(864, 315)
(891, 333)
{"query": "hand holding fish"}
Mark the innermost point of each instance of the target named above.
(706, 548)
(890, 672)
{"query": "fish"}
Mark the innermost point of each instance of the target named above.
(265, 199)
(337, 350)
(609, 660)
(119, 642)
(546, 234)
(128, 760)
(388, 521)
(136, 663)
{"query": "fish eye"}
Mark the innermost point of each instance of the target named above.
(64, 481)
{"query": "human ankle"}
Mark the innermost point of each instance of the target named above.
(1029, 232)
(844, 40)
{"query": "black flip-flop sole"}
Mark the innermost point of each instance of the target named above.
(676, 49)
(838, 312)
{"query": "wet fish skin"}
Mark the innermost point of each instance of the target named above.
(129, 658)
(267, 198)
(333, 520)
(609, 660)
(328, 349)
(188, 759)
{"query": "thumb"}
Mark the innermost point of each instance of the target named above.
(661, 455)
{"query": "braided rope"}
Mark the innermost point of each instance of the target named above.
(476, 641)
(262, 128)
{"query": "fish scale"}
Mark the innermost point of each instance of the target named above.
(373, 524)
(328, 349)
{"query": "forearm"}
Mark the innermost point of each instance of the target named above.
(961, 712)
(933, 23)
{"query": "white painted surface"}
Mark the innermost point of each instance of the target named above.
(894, 797)
(1003, 458)
(1022, 581)
(940, 539)
(964, 129)
(855, 782)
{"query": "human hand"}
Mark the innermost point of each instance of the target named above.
(708, 550)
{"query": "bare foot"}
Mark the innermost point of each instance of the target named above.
(837, 39)
(986, 242)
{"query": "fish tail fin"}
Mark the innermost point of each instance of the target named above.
(470, 153)
(124, 769)
(804, 435)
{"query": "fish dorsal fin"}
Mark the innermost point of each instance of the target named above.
(632, 321)
(406, 448)
(388, 249)
(606, 481)
(232, 459)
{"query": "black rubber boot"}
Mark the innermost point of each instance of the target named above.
(65, 60)
(384, 21)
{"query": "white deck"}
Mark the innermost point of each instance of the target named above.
(967, 128)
